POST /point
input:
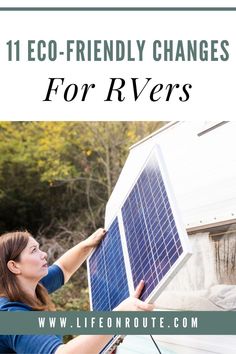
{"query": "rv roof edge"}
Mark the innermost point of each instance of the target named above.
(210, 227)
(167, 126)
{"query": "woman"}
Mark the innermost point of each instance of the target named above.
(25, 282)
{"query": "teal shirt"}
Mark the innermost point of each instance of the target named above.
(32, 344)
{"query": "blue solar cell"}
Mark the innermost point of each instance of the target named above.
(151, 234)
(98, 279)
(108, 279)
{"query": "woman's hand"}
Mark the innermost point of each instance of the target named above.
(133, 303)
(95, 238)
(70, 261)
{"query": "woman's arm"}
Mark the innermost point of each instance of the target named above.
(70, 261)
(93, 344)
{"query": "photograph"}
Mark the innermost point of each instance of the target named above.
(150, 205)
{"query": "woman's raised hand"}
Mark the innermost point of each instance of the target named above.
(95, 238)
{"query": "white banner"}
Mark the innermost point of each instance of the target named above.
(117, 64)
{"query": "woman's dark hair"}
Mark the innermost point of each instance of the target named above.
(11, 246)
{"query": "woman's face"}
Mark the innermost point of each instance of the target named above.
(33, 262)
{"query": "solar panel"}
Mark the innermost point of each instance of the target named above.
(145, 240)
(109, 285)
(147, 214)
